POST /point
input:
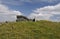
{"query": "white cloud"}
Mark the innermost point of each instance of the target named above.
(8, 15)
(50, 1)
(46, 13)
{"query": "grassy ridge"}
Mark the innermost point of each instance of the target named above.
(30, 30)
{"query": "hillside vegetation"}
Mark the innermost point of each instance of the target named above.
(30, 30)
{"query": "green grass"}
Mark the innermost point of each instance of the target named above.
(30, 30)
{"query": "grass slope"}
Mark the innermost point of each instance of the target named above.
(30, 30)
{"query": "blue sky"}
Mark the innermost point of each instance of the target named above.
(39, 9)
(26, 7)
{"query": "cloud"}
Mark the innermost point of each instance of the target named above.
(8, 15)
(48, 1)
(47, 13)
(21, 2)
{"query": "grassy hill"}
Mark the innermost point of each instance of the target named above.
(30, 30)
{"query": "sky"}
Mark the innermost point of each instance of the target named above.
(38, 9)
